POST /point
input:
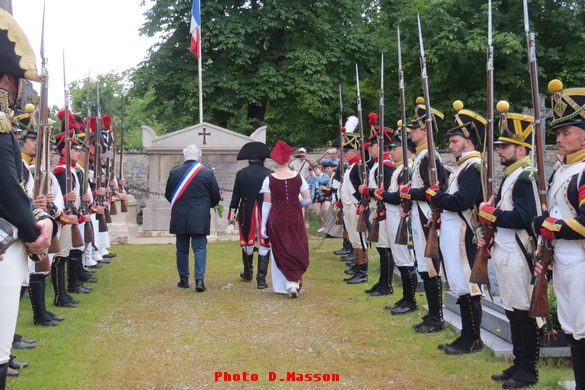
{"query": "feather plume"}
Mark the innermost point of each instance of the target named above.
(373, 118)
(351, 124)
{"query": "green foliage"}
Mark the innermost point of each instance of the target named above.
(279, 63)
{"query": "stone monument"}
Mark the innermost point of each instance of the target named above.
(220, 148)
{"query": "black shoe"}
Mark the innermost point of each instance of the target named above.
(372, 289)
(91, 280)
(461, 349)
(348, 257)
(501, 377)
(183, 283)
(23, 345)
(342, 252)
(199, 286)
(400, 309)
(18, 337)
(87, 287)
(80, 289)
(381, 292)
(428, 328)
(16, 365)
(104, 260)
(397, 304)
(350, 271)
(516, 384)
(55, 317)
(245, 278)
(109, 255)
(89, 271)
(65, 304)
(98, 265)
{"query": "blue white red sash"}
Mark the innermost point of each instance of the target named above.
(185, 180)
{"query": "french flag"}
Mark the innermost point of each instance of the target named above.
(196, 29)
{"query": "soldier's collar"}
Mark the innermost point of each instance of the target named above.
(468, 156)
(80, 163)
(422, 147)
(523, 161)
(26, 158)
(398, 164)
(354, 159)
(575, 157)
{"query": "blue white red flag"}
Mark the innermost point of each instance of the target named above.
(196, 29)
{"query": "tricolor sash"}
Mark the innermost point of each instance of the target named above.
(185, 180)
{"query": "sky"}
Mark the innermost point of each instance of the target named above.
(101, 35)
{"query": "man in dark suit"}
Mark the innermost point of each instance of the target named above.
(192, 191)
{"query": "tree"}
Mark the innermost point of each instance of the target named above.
(262, 60)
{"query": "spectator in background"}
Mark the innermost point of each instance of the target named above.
(321, 202)
(330, 155)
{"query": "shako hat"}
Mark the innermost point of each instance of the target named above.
(60, 141)
(568, 105)
(351, 140)
(253, 150)
(281, 152)
(468, 124)
(375, 130)
(420, 116)
(397, 138)
(17, 57)
(514, 128)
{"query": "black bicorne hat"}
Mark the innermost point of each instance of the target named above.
(253, 150)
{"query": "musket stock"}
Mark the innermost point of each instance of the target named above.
(432, 246)
(539, 305)
(402, 232)
(479, 271)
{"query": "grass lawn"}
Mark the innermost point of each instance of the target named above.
(137, 330)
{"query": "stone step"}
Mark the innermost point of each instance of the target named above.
(495, 328)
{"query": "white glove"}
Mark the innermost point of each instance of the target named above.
(230, 229)
(265, 212)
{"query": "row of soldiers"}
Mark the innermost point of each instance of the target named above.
(513, 212)
(66, 241)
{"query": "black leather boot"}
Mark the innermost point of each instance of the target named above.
(470, 339)
(578, 359)
(345, 250)
(37, 300)
(407, 303)
(433, 321)
(361, 276)
(248, 273)
(262, 271)
(3, 373)
(58, 276)
(386, 271)
(525, 372)
(74, 285)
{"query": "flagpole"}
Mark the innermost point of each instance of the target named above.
(200, 70)
(200, 87)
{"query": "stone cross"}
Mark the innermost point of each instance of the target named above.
(204, 134)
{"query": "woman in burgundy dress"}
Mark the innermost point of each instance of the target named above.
(282, 221)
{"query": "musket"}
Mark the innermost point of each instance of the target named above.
(123, 204)
(432, 247)
(402, 232)
(361, 225)
(88, 234)
(103, 226)
(42, 179)
(339, 216)
(479, 272)
(380, 209)
(539, 305)
(76, 239)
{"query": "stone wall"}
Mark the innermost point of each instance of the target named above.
(136, 168)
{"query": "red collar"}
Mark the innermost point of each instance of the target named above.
(354, 159)
(62, 161)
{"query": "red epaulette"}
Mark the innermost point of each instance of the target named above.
(389, 164)
(58, 170)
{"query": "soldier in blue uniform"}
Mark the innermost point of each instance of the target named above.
(512, 213)
(564, 222)
(35, 227)
(457, 240)
(246, 207)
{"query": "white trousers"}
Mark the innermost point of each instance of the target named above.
(13, 274)
(513, 277)
(400, 252)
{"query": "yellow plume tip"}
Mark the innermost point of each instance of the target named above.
(458, 105)
(420, 100)
(29, 108)
(503, 106)
(555, 86)
(399, 123)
